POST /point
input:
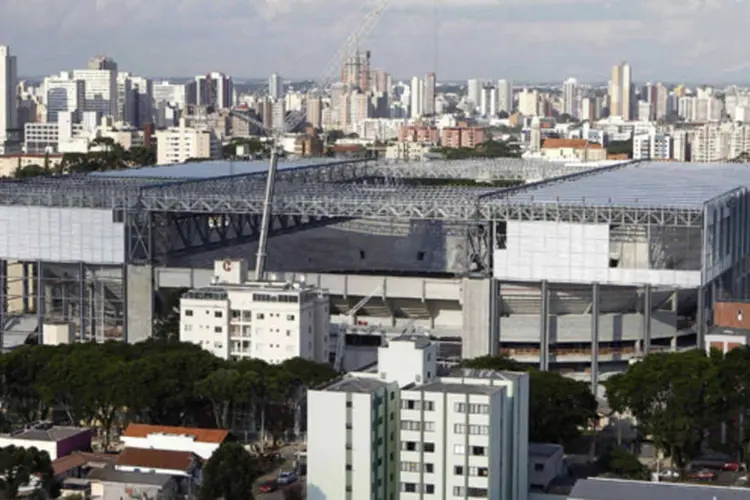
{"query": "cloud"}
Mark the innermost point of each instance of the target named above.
(520, 39)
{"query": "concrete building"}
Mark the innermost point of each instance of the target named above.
(462, 137)
(652, 146)
(416, 95)
(63, 95)
(399, 429)
(528, 102)
(57, 441)
(215, 90)
(428, 95)
(571, 98)
(272, 321)
(505, 96)
(179, 144)
(100, 90)
(621, 92)
(275, 87)
(572, 149)
(201, 442)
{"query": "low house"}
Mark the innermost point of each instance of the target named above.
(79, 463)
(171, 463)
(619, 489)
(202, 442)
(112, 484)
(57, 441)
(546, 463)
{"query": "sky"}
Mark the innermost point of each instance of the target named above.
(524, 40)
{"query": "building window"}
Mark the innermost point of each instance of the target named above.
(428, 447)
(247, 316)
(218, 314)
(458, 470)
(290, 317)
(539, 467)
(236, 314)
(260, 316)
(409, 487)
(409, 446)
(459, 429)
(429, 468)
(429, 426)
(458, 449)
(478, 451)
(217, 329)
(187, 327)
(428, 405)
(483, 472)
(188, 312)
(409, 467)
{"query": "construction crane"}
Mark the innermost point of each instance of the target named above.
(293, 120)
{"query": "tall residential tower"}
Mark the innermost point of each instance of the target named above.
(621, 92)
(8, 95)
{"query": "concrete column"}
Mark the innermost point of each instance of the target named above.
(673, 343)
(544, 326)
(82, 301)
(494, 347)
(700, 320)
(139, 302)
(40, 299)
(25, 285)
(647, 319)
(594, 338)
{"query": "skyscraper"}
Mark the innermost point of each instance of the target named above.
(621, 92)
(571, 104)
(505, 96)
(8, 95)
(474, 93)
(428, 98)
(274, 86)
(416, 97)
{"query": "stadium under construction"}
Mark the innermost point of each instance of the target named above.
(576, 266)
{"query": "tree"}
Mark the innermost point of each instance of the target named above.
(32, 170)
(229, 474)
(623, 464)
(675, 397)
(19, 465)
(220, 388)
(559, 407)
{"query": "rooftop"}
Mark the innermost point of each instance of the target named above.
(638, 185)
(352, 383)
(156, 459)
(544, 450)
(79, 459)
(420, 341)
(209, 169)
(216, 436)
(130, 478)
(615, 489)
(570, 143)
(52, 433)
(457, 388)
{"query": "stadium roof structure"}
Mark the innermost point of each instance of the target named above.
(634, 193)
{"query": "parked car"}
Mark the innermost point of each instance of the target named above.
(287, 477)
(269, 486)
(732, 466)
(669, 474)
(703, 475)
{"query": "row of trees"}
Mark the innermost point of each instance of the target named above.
(681, 400)
(487, 149)
(105, 155)
(169, 383)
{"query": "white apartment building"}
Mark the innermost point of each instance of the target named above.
(416, 106)
(400, 430)
(100, 90)
(505, 96)
(652, 146)
(170, 93)
(571, 97)
(178, 144)
(379, 129)
(528, 102)
(41, 138)
(272, 321)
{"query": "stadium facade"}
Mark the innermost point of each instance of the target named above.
(619, 260)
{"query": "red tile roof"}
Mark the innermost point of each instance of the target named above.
(79, 459)
(156, 459)
(200, 435)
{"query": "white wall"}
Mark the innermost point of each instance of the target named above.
(167, 442)
(61, 234)
(49, 446)
(573, 253)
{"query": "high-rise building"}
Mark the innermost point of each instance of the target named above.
(505, 96)
(179, 144)
(102, 62)
(528, 102)
(621, 92)
(474, 91)
(315, 111)
(488, 101)
(215, 90)
(100, 88)
(8, 95)
(275, 89)
(428, 97)
(60, 94)
(416, 97)
(571, 104)
(399, 430)
(355, 71)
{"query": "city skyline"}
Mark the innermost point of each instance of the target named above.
(549, 39)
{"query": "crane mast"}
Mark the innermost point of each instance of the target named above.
(365, 28)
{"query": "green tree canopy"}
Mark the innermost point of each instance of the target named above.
(19, 465)
(229, 474)
(674, 396)
(623, 464)
(559, 407)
